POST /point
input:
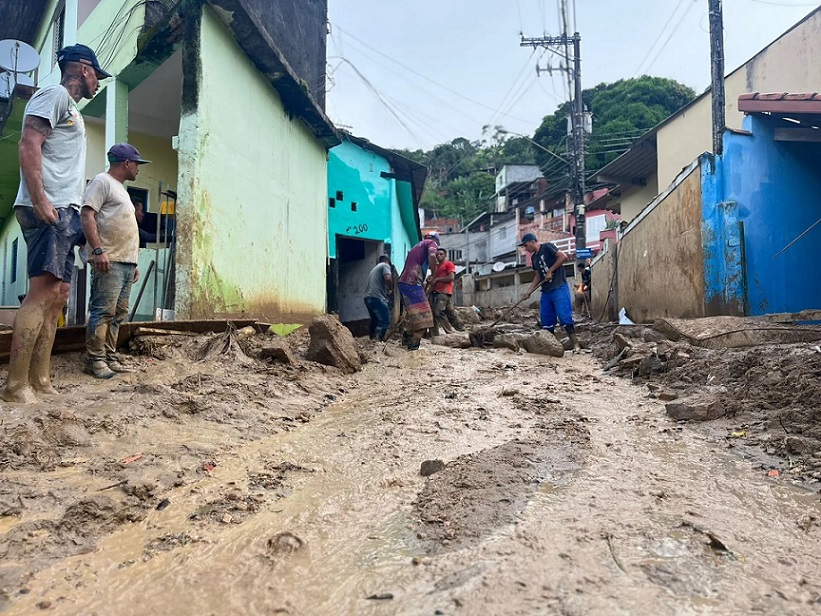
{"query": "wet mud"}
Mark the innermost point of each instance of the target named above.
(214, 482)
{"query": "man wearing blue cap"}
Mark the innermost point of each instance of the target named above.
(548, 263)
(113, 244)
(52, 154)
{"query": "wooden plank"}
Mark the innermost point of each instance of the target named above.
(70, 339)
(153, 331)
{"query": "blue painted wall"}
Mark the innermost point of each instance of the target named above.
(384, 209)
(774, 190)
(722, 237)
(355, 173)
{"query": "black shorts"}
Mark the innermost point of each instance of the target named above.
(51, 247)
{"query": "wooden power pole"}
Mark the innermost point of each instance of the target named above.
(717, 62)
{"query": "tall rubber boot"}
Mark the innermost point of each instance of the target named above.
(577, 348)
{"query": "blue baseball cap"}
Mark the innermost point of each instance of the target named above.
(84, 55)
(121, 152)
(528, 237)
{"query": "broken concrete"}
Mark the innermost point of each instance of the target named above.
(277, 349)
(333, 344)
(506, 341)
(703, 407)
(468, 316)
(454, 341)
(734, 332)
(543, 343)
(431, 467)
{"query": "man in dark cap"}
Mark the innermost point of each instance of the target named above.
(548, 261)
(113, 244)
(52, 154)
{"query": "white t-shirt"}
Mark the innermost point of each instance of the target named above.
(64, 152)
(116, 223)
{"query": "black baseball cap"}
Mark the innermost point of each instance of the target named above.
(83, 55)
(528, 237)
(121, 152)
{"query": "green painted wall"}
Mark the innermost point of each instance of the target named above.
(252, 212)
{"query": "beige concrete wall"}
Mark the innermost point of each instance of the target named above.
(660, 262)
(601, 276)
(790, 64)
(163, 159)
(635, 201)
(163, 166)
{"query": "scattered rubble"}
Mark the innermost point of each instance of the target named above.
(696, 408)
(333, 344)
(543, 343)
(454, 341)
(431, 467)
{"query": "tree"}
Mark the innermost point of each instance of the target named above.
(622, 112)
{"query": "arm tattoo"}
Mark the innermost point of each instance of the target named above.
(38, 125)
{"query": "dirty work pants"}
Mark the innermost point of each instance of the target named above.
(444, 316)
(380, 316)
(556, 303)
(108, 308)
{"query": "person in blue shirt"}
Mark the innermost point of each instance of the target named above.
(548, 263)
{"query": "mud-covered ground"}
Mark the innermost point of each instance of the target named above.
(210, 482)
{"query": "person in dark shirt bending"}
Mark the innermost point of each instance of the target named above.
(548, 262)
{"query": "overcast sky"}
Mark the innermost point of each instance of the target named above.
(440, 69)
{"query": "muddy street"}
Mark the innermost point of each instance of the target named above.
(210, 482)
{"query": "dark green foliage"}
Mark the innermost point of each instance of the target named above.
(461, 173)
(622, 112)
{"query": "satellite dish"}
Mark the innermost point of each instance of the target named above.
(6, 85)
(18, 57)
(499, 266)
(24, 80)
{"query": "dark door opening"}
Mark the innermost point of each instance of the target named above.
(355, 260)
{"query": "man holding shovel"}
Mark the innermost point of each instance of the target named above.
(548, 261)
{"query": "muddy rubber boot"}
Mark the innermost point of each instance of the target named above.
(558, 337)
(577, 348)
(99, 369)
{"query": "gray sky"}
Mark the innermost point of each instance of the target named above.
(471, 47)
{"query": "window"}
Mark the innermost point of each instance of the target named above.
(331, 202)
(340, 196)
(13, 273)
(455, 255)
(59, 33)
(353, 206)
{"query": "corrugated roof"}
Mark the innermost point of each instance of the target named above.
(635, 165)
(20, 19)
(800, 103)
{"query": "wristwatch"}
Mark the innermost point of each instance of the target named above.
(98, 251)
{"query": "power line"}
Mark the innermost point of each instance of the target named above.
(661, 33)
(515, 86)
(384, 102)
(425, 77)
(670, 36)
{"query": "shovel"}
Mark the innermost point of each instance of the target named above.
(508, 311)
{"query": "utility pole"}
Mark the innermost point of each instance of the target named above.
(561, 45)
(717, 73)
